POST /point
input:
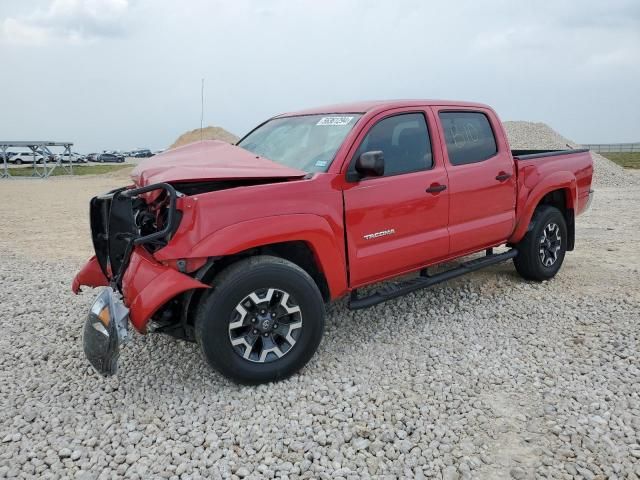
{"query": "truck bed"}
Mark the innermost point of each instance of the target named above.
(531, 154)
(534, 166)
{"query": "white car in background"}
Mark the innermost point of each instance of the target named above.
(25, 157)
(74, 157)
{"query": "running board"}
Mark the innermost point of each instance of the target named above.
(424, 281)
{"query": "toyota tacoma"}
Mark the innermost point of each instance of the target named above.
(239, 247)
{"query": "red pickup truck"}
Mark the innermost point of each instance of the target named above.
(238, 247)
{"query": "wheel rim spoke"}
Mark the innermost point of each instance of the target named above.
(550, 244)
(269, 346)
(265, 325)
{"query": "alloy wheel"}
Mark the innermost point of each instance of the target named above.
(265, 325)
(550, 244)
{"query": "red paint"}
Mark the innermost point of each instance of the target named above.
(210, 159)
(398, 202)
(90, 275)
(481, 208)
(332, 216)
(147, 285)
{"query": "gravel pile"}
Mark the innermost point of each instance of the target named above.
(529, 135)
(485, 377)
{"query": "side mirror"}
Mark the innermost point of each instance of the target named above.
(369, 164)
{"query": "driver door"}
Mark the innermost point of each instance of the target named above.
(397, 222)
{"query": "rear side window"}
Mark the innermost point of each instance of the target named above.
(404, 141)
(469, 137)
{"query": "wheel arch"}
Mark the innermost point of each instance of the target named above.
(558, 190)
(296, 251)
(299, 252)
(305, 239)
(561, 199)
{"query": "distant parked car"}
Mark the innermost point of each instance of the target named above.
(25, 157)
(8, 155)
(92, 157)
(144, 153)
(110, 157)
(74, 157)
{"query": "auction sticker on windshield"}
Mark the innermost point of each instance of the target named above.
(334, 121)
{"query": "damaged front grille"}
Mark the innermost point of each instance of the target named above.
(122, 219)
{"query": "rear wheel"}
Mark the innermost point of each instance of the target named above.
(262, 321)
(542, 250)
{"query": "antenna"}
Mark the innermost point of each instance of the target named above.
(201, 109)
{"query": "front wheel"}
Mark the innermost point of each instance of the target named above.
(541, 252)
(262, 321)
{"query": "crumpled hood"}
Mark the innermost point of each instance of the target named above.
(208, 160)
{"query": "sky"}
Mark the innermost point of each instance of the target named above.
(123, 74)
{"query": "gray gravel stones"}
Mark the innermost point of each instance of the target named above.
(478, 378)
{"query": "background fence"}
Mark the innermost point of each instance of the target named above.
(613, 147)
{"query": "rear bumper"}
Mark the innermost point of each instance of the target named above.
(589, 200)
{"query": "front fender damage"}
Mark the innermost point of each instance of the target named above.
(90, 275)
(146, 285)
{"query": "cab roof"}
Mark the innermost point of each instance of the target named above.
(380, 105)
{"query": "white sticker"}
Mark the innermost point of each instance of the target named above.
(334, 121)
(321, 163)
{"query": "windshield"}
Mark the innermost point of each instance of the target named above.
(307, 142)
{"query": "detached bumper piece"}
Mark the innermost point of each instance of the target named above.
(105, 330)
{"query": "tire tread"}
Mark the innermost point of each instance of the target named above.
(527, 262)
(232, 278)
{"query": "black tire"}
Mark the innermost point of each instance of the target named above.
(535, 260)
(218, 310)
(18, 162)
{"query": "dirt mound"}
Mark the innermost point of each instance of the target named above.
(530, 135)
(208, 133)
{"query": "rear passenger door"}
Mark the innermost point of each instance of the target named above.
(482, 183)
(396, 222)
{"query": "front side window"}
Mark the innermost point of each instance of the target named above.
(404, 142)
(468, 136)
(306, 142)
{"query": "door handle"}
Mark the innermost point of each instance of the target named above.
(503, 176)
(436, 188)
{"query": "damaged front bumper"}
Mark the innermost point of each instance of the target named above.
(138, 285)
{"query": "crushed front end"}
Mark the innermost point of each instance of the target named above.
(127, 226)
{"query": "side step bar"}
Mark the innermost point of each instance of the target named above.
(424, 281)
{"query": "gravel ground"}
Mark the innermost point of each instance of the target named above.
(484, 377)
